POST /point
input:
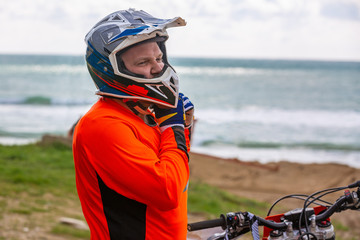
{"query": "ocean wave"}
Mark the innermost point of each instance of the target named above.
(287, 117)
(281, 145)
(43, 100)
(29, 120)
(211, 71)
(19, 135)
(17, 140)
(58, 68)
(298, 155)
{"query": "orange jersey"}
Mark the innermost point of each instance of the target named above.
(131, 179)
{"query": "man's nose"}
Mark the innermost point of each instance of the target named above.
(156, 68)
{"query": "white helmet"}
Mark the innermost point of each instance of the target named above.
(116, 33)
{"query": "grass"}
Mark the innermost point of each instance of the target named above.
(37, 183)
(213, 201)
(339, 226)
(36, 170)
(38, 180)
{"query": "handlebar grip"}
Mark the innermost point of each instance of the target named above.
(355, 184)
(220, 222)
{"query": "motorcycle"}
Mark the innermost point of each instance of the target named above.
(303, 223)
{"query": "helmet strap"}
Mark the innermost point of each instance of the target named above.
(136, 107)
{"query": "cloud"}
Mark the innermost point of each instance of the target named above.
(230, 28)
(341, 10)
(281, 29)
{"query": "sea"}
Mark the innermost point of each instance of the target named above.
(247, 109)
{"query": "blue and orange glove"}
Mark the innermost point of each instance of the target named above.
(182, 115)
(170, 117)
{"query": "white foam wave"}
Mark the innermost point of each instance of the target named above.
(16, 141)
(351, 159)
(297, 118)
(211, 71)
(39, 120)
(59, 68)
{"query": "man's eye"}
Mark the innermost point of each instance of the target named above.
(141, 63)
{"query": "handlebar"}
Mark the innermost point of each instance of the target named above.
(347, 201)
(271, 224)
(333, 208)
(220, 222)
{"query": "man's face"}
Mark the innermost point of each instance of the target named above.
(144, 59)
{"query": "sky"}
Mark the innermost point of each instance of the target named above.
(268, 29)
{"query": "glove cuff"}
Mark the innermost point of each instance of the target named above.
(163, 128)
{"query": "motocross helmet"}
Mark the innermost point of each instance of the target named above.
(112, 36)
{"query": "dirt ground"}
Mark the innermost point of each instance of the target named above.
(262, 182)
(269, 182)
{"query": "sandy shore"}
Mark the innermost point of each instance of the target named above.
(251, 178)
(268, 182)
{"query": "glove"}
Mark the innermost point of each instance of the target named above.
(189, 111)
(189, 119)
(170, 117)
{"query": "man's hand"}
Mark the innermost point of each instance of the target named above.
(182, 115)
(169, 117)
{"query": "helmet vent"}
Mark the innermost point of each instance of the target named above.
(140, 19)
(107, 50)
(172, 81)
(117, 18)
(173, 85)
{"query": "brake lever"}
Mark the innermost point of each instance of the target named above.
(237, 224)
(352, 200)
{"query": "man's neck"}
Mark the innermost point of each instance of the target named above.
(139, 109)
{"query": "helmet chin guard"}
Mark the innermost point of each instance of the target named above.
(118, 32)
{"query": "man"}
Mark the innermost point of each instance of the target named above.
(131, 168)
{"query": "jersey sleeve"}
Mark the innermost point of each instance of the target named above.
(135, 170)
(188, 135)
